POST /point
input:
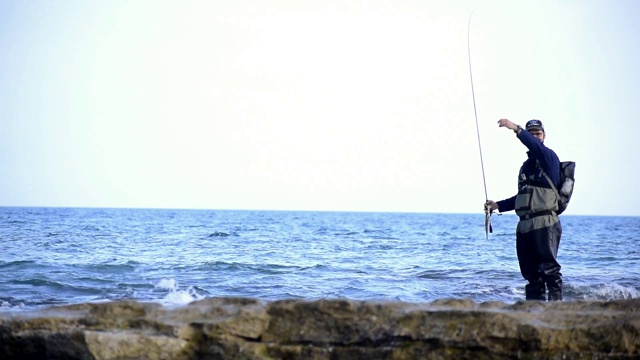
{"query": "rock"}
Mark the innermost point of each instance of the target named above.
(240, 328)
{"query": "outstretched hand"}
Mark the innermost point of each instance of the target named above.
(507, 123)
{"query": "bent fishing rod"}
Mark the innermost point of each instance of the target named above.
(487, 219)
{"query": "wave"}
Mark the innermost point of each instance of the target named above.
(41, 282)
(268, 268)
(220, 234)
(109, 267)
(19, 264)
(606, 291)
(446, 274)
(176, 296)
(11, 304)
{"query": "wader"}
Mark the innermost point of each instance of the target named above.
(538, 238)
(537, 242)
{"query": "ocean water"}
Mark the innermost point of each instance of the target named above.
(55, 256)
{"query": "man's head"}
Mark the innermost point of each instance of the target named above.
(536, 129)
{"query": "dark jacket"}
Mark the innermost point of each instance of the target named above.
(530, 172)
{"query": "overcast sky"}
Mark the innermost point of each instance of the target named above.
(313, 105)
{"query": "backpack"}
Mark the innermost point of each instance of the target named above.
(567, 179)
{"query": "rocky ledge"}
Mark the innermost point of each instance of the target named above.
(238, 328)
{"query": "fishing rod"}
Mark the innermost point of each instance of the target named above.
(487, 220)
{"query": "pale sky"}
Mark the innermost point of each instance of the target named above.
(313, 105)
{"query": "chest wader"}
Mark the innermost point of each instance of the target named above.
(537, 241)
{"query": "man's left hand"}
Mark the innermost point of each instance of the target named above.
(491, 206)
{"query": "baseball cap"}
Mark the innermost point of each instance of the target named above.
(534, 124)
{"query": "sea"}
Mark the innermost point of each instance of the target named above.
(59, 256)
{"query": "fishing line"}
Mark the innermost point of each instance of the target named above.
(487, 212)
(486, 197)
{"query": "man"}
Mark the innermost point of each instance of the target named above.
(539, 230)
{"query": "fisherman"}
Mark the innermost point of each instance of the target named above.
(538, 231)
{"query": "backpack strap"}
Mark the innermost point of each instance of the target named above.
(553, 186)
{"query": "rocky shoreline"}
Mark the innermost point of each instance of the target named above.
(242, 328)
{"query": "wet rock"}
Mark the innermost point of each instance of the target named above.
(240, 328)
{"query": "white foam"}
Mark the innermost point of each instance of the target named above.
(610, 291)
(175, 295)
(619, 292)
(167, 284)
(181, 297)
(4, 305)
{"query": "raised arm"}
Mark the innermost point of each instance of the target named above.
(547, 157)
